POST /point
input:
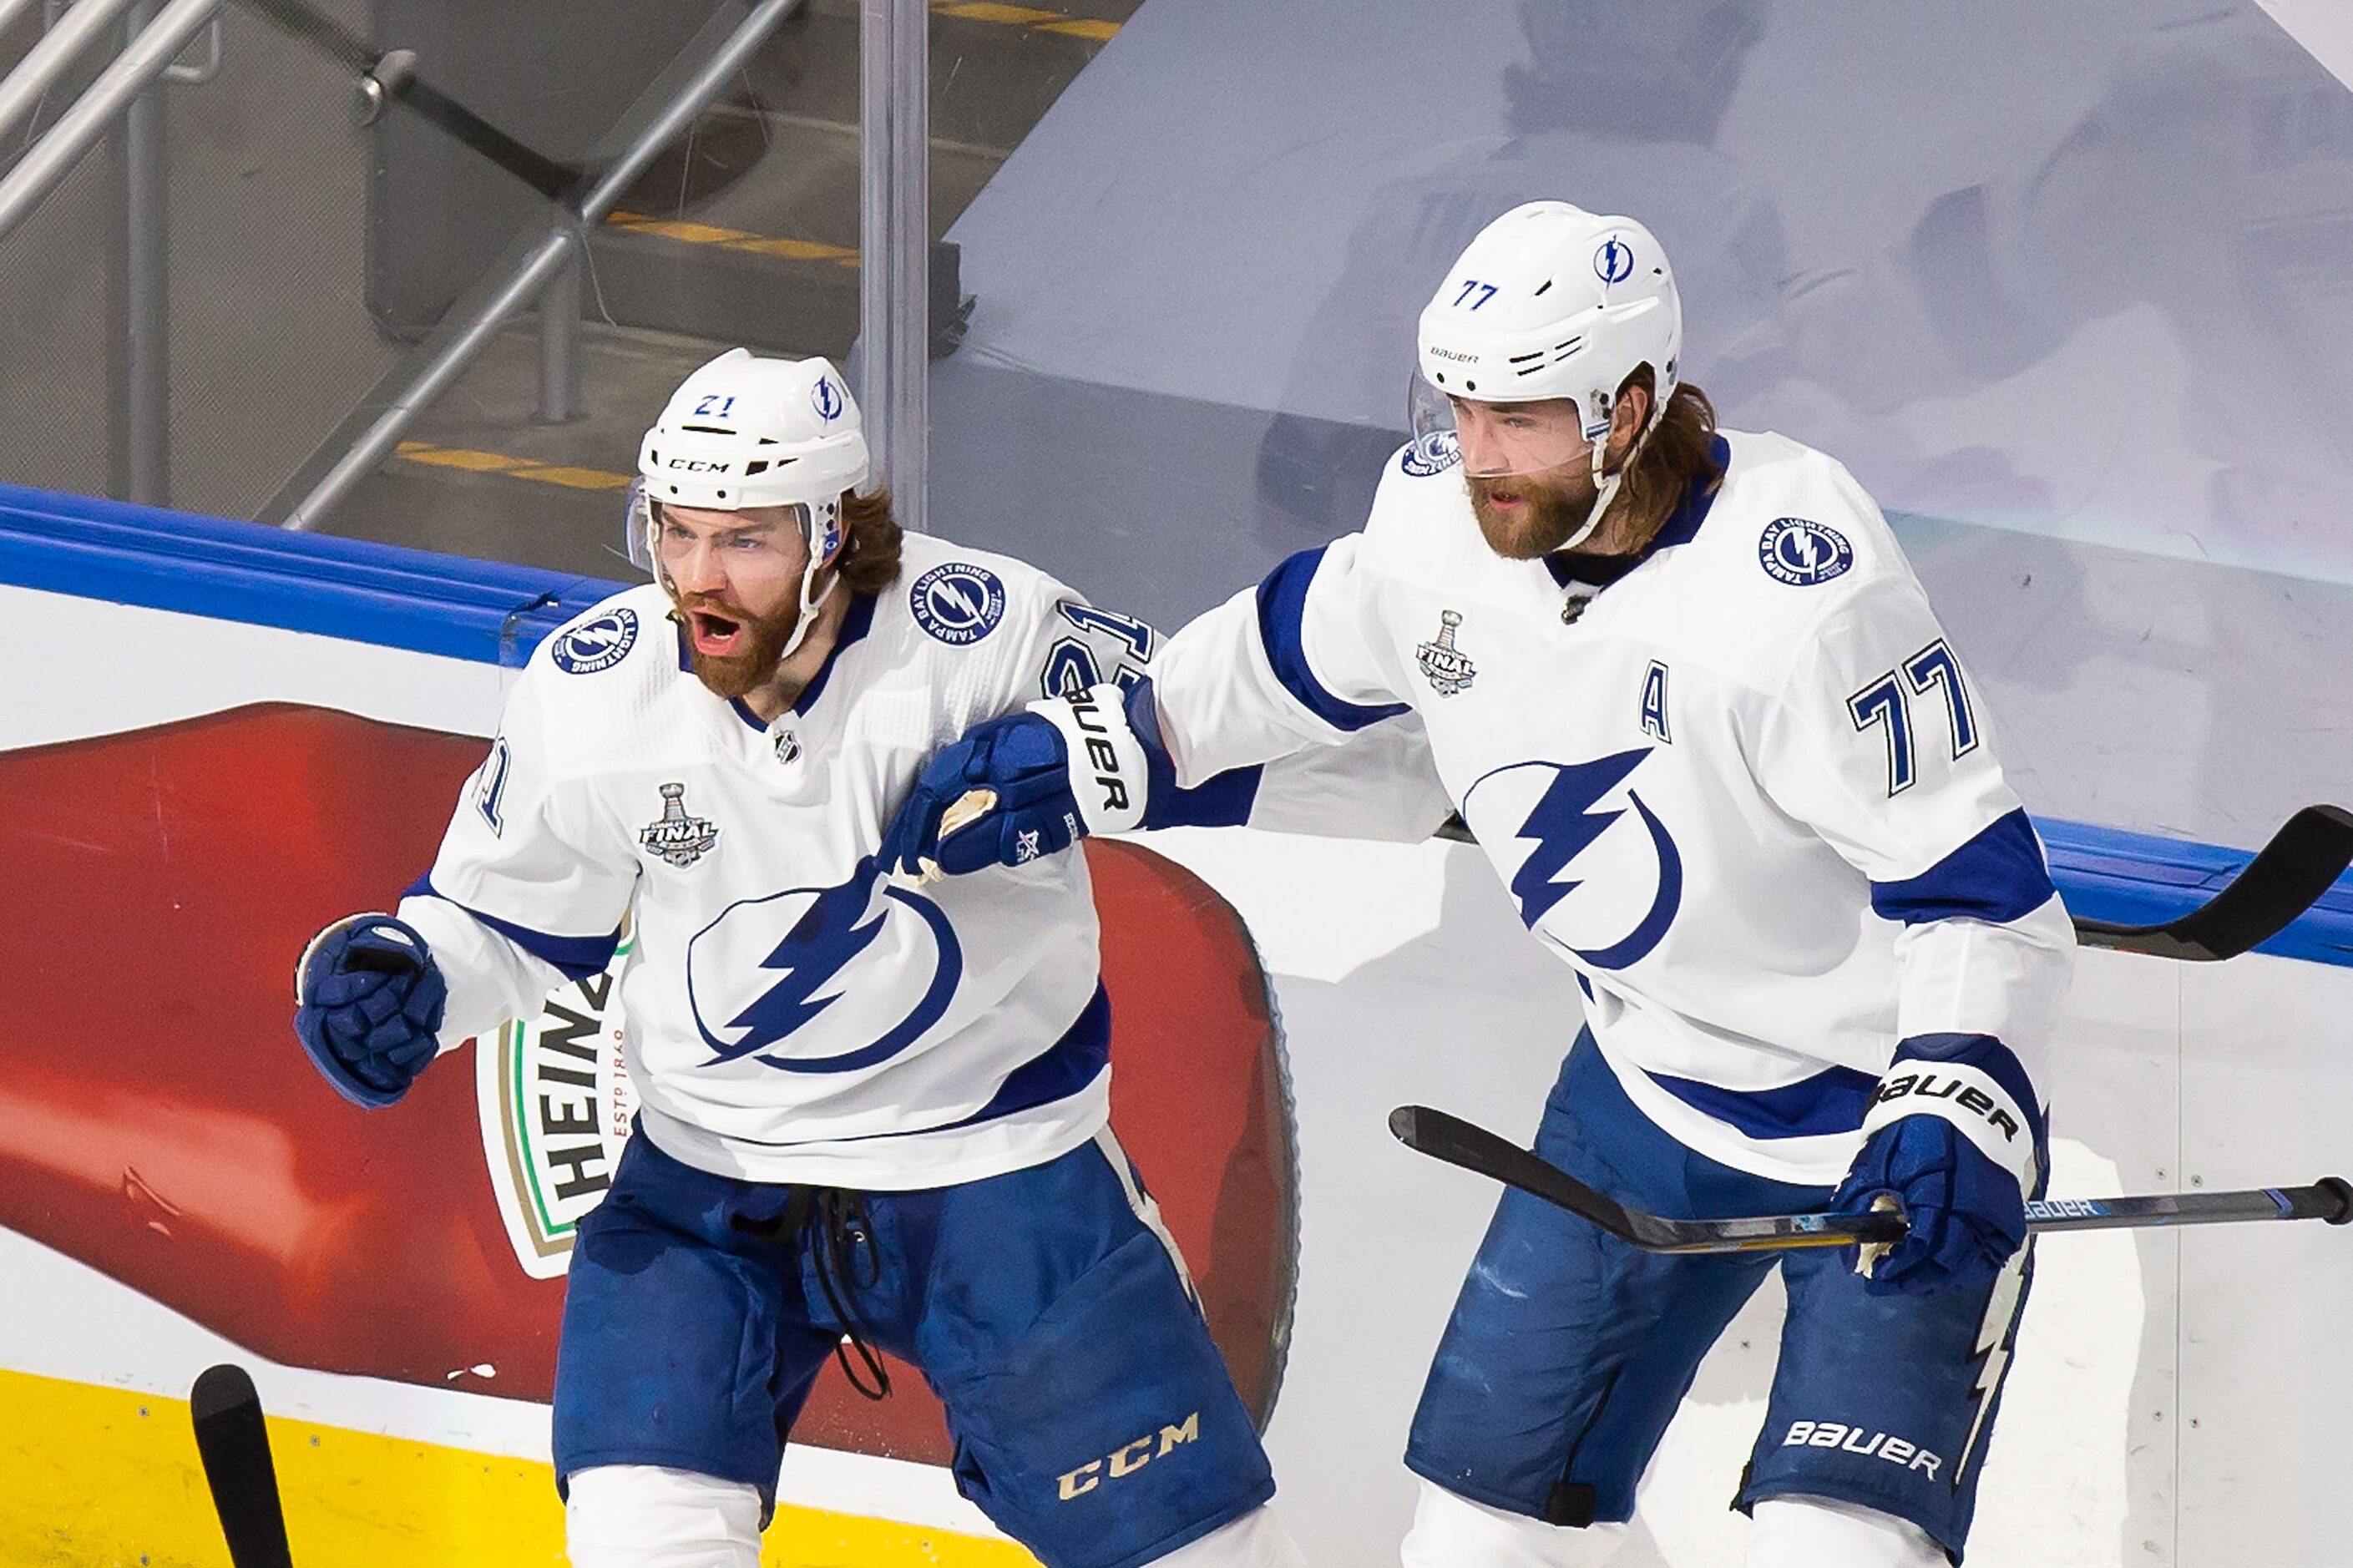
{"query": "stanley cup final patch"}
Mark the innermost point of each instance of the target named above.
(674, 835)
(1450, 669)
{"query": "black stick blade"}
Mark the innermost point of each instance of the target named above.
(234, 1443)
(2303, 861)
(1459, 1143)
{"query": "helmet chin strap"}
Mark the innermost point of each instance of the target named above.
(822, 523)
(809, 605)
(1606, 486)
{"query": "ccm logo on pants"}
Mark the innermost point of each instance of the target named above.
(1850, 1439)
(1130, 1458)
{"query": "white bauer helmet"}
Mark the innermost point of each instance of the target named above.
(744, 432)
(1549, 301)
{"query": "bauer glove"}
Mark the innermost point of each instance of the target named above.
(1026, 785)
(1955, 1139)
(368, 1006)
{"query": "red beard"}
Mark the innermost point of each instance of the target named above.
(733, 651)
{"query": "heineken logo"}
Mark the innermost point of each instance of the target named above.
(556, 1106)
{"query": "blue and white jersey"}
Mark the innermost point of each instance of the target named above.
(789, 1014)
(1745, 789)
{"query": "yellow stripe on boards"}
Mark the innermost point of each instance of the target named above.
(101, 1478)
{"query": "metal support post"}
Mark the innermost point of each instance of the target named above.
(138, 461)
(559, 343)
(531, 278)
(894, 246)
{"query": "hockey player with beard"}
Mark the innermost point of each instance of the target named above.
(870, 1112)
(1696, 707)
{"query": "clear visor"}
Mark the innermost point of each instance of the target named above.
(1495, 439)
(641, 529)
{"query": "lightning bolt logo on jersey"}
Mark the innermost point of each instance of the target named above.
(1806, 855)
(790, 1014)
(1552, 812)
(831, 993)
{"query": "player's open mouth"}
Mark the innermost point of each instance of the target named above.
(717, 636)
(1502, 497)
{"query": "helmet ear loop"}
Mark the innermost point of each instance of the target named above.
(822, 534)
(1606, 486)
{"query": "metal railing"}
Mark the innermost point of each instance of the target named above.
(548, 273)
(125, 102)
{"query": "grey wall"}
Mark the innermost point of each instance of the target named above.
(2073, 282)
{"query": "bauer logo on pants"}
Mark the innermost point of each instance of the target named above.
(1851, 1440)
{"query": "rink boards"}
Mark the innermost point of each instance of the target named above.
(2168, 1391)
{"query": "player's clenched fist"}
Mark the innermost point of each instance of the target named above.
(1953, 1139)
(368, 1006)
(1024, 785)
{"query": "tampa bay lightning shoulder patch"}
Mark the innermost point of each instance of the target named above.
(599, 643)
(957, 602)
(1427, 458)
(1803, 554)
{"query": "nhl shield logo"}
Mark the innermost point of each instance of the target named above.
(674, 835)
(1450, 669)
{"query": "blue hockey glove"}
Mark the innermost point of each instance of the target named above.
(1954, 1136)
(1023, 787)
(368, 1006)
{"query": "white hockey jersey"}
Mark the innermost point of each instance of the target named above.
(789, 1015)
(1745, 789)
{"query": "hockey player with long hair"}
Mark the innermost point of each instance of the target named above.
(1696, 707)
(873, 1115)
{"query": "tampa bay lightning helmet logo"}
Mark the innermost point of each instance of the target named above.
(1614, 262)
(816, 980)
(1630, 884)
(599, 643)
(826, 397)
(1803, 554)
(958, 602)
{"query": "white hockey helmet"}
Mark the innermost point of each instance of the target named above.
(1548, 302)
(742, 432)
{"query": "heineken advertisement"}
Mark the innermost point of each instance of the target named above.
(556, 1106)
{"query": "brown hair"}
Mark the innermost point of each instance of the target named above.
(869, 562)
(1677, 453)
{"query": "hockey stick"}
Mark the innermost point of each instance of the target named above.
(394, 75)
(234, 1443)
(1458, 1142)
(2302, 861)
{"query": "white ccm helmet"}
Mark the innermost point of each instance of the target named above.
(748, 432)
(1549, 301)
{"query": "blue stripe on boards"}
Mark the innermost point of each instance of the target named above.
(380, 594)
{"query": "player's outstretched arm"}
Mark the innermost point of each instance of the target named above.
(1034, 783)
(368, 1006)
